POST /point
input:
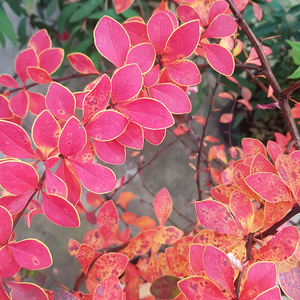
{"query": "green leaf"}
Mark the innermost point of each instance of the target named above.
(97, 15)
(2, 39)
(95, 57)
(23, 38)
(51, 8)
(6, 28)
(30, 6)
(64, 16)
(296, 57)
(165, 287)
(67, 43)
(294, 45)
(15, 6)
(294, 10)
(199, 100)
(265, 29)
(85, 9)
(81, 47)
(296, 74)
(129, 13)
(237, 120)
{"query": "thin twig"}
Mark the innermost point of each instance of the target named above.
(203, 136)
(238, 66)
(230, 123)
(294, 86)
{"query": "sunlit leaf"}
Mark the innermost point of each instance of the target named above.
(85, 256)
(175, 263)
(142, 242)
(124, 198)
(8, 264)
(55, 185)
(168, 235)
(273, 293)
(223, 192)
(162, 206)
(137, 32)
(154, 137)
(196, 258)
(253, 146)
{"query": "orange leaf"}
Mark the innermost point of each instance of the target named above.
(162, 206)
(124, 198)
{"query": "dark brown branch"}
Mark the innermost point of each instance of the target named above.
(238, 66)
(294, 86)
(203, 136)
(278, 94)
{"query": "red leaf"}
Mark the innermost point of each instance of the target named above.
(31, 254)
(261, 276)
(197, 287)
(8, 264)
(215, 216)
(128, 217)
(71, 180)
(137, 32)
(223, 192)
(132, 137)
(60, 101)
(60, 211)
(107, 219)
(6, 225)
(72, 138)
(151, 78)
(94, 177)
(8, 81)
(257, 11)
(26, 58)
(40, 41)
(109, 264)
(45, 133)
(289, 172)
(187, 13)
(274, 150)
(143, 55)
(154, 137)
(124, 198)
(111, 40)
(219, 58)
(252, 147)
(110, 152)
(174, 98)
(51, 59)
(217, 152)
(3, 294)
(87, 154)
(226, 118)
(126, 83)
(25, 290)
(175, 263)
(38, 75)
(85, 256)
(106, 125)
(162, 206)
(94, 199)
(79, 96)
(18, 177)
(19, 104)
(168, 235)
(94, 238)
(82, 63)
(289, 282)
(196, 258)
(122, 5)
(281, 247)
(15, 204)
(14, 141)
(37, 102)
(55, 185)
(221, 26)
(64, 295)
(261, 164)
(141, 243)
(182, 42)
(273, 293)
(241, 206)
(159, 29)
(218, 268)
(217, 8)
(148, 113)
(73, 247)
(96, 99)
(108, 289)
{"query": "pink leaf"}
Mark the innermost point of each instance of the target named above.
(94, 177)
(217, 8)
(55, 185)
(82, 63)
(14, 141)
(126, 83)
(31, 254)
(112, 41)
(132, 137)
(60, 101)
(6, 225)
(8, 264)
(38, 75)
(221, 26)
(108, 289)
(37, 102)
(151, 78)
(40, 41)
(148, 113)
(154, 137)
(106, 125)
(51, 59)
(8, 81)
(110, 152)
(257, 11)
(19, 104)
(72, 138)
(219, 58)
(137, 32)
(162, 206)
(196, 258)
(226, 118)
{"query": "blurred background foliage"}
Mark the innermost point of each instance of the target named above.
(70, 24)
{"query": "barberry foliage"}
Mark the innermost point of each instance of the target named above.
(241, 244)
